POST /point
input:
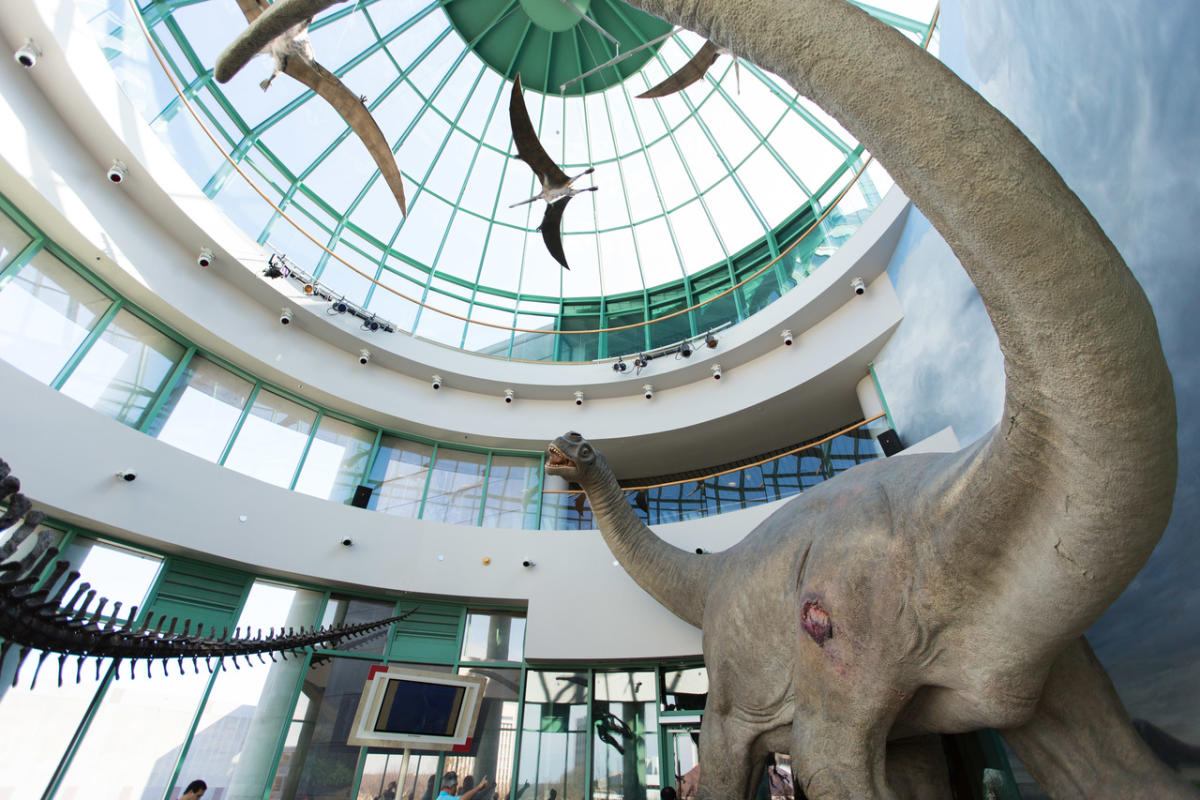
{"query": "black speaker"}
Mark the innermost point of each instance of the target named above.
(362, 496)
(889, 440)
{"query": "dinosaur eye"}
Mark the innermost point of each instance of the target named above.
(585, 451)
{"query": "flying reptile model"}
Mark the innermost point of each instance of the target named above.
(692, 71)
(557, 188)
(292, 53)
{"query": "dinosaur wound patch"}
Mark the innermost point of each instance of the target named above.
(816, 622)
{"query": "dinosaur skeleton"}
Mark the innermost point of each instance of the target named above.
(34, 617)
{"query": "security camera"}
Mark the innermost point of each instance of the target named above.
(858, 286)
(579, 398)
(700, 551)
(127, 475)
(787, 338)
(527, 563)
(117, 172)
(364, 356)
(437, 382)
(649, 390)
(205, 258)
(716, 371)
(508, 395)
(347, 542)
(285, 316)
(27, 55)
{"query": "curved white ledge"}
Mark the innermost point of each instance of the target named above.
(65, 121)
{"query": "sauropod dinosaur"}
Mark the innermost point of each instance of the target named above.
(936, 593)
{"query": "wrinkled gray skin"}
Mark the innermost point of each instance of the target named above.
(956, 587)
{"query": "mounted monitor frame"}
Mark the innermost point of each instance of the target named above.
(401, 707)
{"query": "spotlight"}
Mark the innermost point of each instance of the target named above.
(127, 475)
(205, 258)
(347, 542)
(275, 267)
(527, 563)
(437, 382)
(685, 349)
(787, 337)
(117, 172)
(858, 286)
(27, 55)
(309, 288)
(620, 366)
(649, 390)
(285, 316)
(340, 306)
(508, 395)
(579, 398)
(372, 324)
(710, 340)
(641, 361)
(716, 371)
(364, 356)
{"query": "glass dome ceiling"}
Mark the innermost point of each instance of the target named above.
(697, 190)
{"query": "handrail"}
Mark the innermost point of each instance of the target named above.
(731, 470)
(544, 331)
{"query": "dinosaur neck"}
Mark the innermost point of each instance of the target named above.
(677, 579)
(1074, 487)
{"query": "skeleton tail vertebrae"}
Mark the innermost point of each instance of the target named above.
(34, 616)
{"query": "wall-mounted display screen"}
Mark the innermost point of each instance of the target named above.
(405, 707)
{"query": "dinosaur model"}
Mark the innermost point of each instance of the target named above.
(936, 593)
(691, 72)
(33, 616)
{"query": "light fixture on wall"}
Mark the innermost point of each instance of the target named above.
(437, 382)
(648, 391)
(205, 258)
(508, 395)
(716, 372)
(710, 340)
(285, 316)
(787, 338)
(364, 356)
(27, 55)
(858, 286)
(118, 172)
(579, 398)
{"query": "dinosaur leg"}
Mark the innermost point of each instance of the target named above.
(1080, 743)
(916, 769)
(730, 766)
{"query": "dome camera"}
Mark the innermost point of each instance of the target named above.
(117, 172)
(527, 563)
(205, 258)
(579, 398)
(285, 316)
(700, 551)
(347, 542)
(858, 286)
(649, 390)
(787, 338)
(508, 395)
(127, 475)
(437, 382)
(364, 356)
(27, 55)
(716, 371)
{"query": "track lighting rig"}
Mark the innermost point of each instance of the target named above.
(682, 349)
(278, 266)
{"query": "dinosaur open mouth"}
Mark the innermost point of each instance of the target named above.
(555, 458)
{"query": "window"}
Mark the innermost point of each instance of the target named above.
(202, 410)
(336, 460)
(625, 736)
(124, 369)
(554, 735)
(513, 490)
(272, 439)
(12, 239)
(494, 636)
(455, 487)
(398, 476)
(46, 311)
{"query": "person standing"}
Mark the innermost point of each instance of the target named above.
(194, 791)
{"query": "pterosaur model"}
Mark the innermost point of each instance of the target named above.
(292, 53)
(557, 188)
(689, 73)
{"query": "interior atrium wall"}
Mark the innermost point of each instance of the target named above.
(1107, 91)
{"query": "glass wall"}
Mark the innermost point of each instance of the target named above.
(554, 736)
(60, 325)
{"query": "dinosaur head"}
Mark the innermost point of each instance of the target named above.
(572, 457)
